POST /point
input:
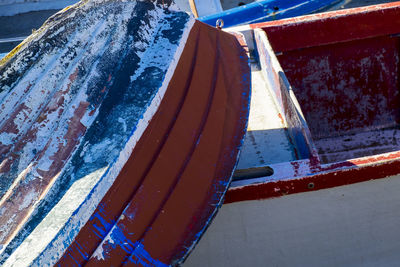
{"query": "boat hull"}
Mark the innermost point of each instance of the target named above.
(353, 225)
(333, 79)
(261, 11)
(107, 122)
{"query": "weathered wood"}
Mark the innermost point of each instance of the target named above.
(346, 84)
(339, 205)
(106, 122)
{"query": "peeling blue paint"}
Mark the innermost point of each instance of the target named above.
(142, 257)
(79, 249)
(137, 252)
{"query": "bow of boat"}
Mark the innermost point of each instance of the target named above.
(120, 126)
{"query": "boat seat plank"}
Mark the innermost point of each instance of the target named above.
(357, 145)
(321, 29)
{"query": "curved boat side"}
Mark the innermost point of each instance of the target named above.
(211, 106)
(129, 149)
(266, 10)
(339, 207)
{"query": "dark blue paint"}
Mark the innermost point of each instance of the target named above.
(267, 10)
(141, 257)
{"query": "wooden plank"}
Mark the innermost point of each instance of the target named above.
(320, 29)
(354, 37)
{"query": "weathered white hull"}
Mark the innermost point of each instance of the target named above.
(353, 225)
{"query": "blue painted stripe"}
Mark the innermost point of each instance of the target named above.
(267, 10)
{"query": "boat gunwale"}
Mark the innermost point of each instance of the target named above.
(307, 175)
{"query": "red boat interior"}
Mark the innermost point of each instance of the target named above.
(344, 72)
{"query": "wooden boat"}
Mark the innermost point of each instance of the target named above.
(323, 144)
(236, 12)
(118, 137)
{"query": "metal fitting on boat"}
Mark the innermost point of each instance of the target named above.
(311, 186)
(219, 23)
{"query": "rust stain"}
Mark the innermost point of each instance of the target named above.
(281, 117)
(296, 166)
(75, 130)
(22, 139)
(5, 165)
(14, 205)
(27, 88)
(74, 75)
(9, 126)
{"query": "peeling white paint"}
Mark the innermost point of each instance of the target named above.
(84, 195)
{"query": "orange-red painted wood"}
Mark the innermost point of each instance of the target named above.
(180, 169)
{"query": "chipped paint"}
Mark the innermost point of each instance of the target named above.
(79, 99)
(345, 81)
(48, 140)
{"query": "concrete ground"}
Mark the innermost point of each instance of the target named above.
(20, 25)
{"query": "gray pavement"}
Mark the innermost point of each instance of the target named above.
(20, 25)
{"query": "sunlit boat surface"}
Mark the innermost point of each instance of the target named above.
(118, 137)
(324, 126)
(236, 12)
